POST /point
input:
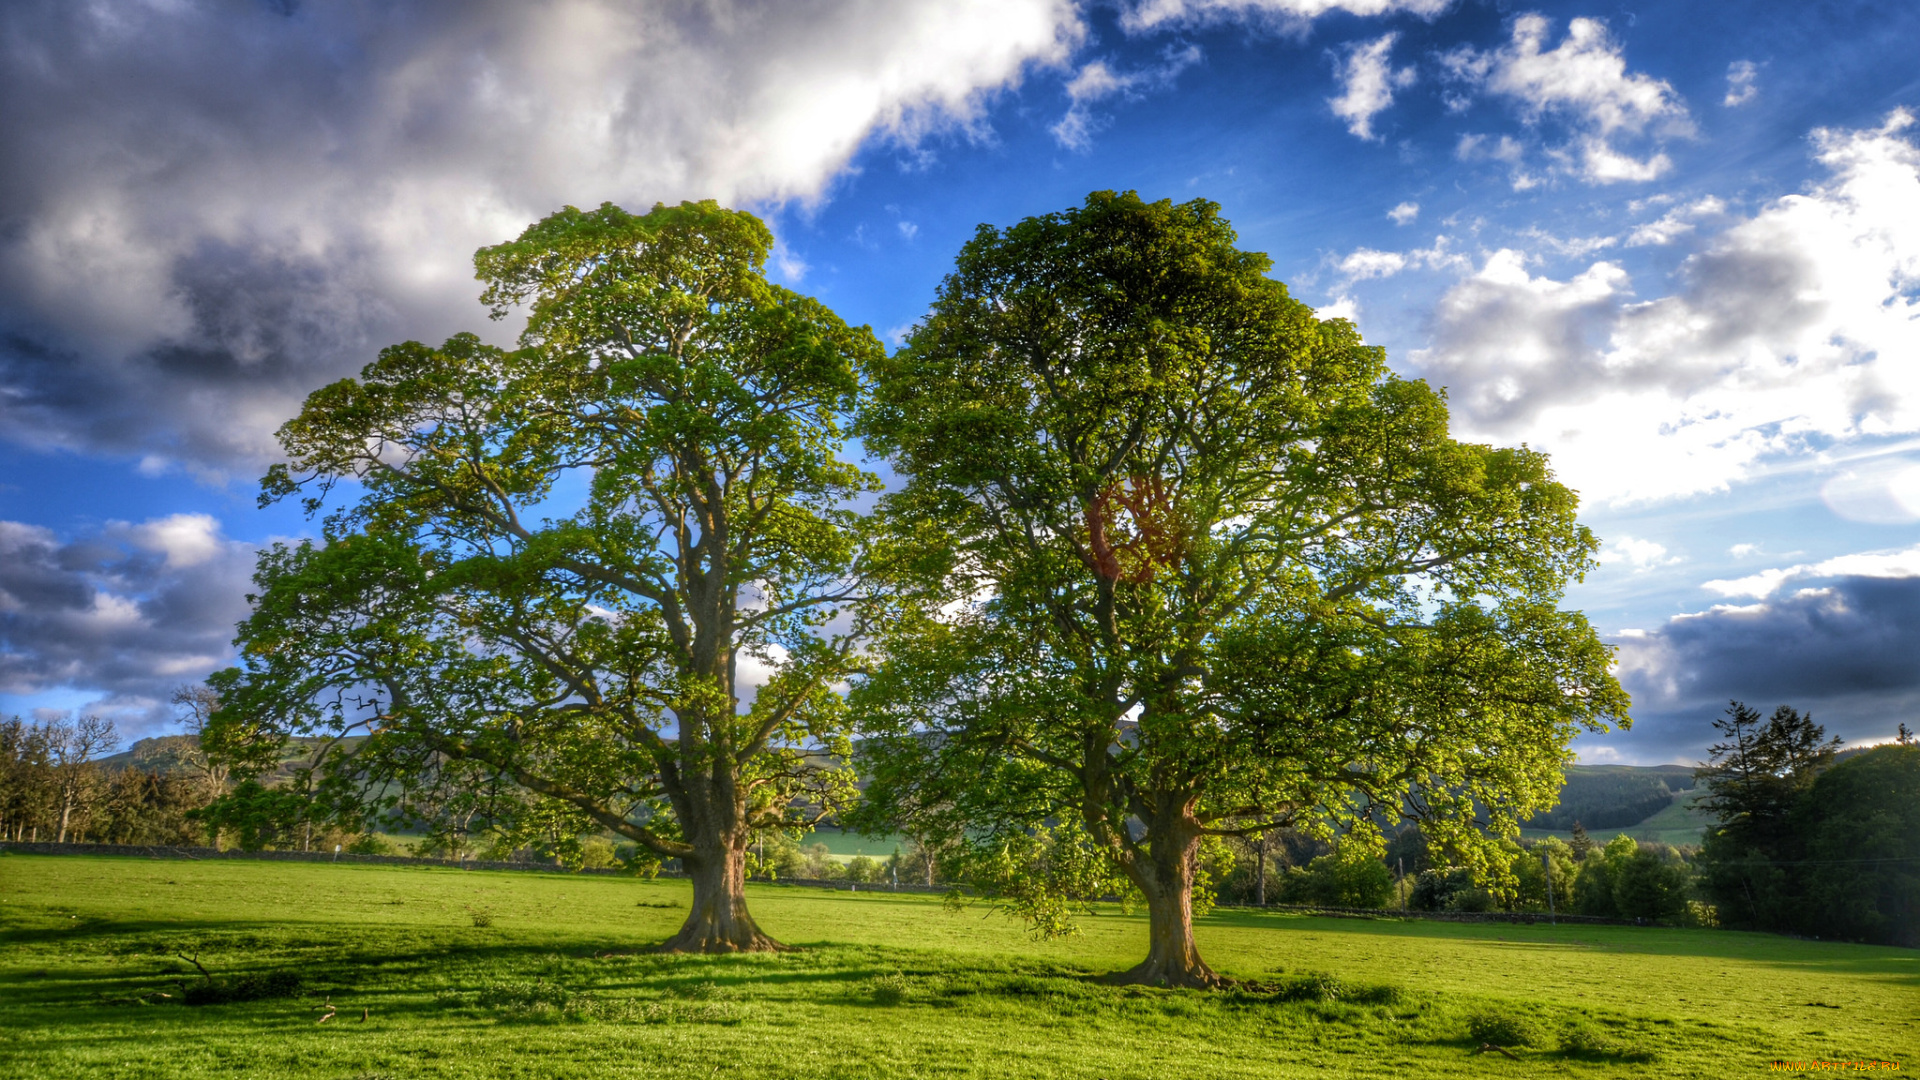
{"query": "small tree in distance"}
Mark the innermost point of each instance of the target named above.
(1185, 562)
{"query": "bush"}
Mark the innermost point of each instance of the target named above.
(1500, 1028)
(255, 987)
(889, 990)
(1452, 889)
(370, 844)
(597, 853)
(1311, 986)
(862, 868)
(1646, 886)
(1358, 881)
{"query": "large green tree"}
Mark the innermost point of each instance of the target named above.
(1187, 561)
(562, 560)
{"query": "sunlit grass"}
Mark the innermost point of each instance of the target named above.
(560, 985)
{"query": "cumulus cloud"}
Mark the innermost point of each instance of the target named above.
(1363, 264)
(1642, 555)
(1367, 82)
(1137, 16)
(1096, 82)
(1405, 213)
(1844, 651)
(210, 209)
(1742, 76)
(1585, 83)
(1898, 563)
(129, 612)
(1793, 325)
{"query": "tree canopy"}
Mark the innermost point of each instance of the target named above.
(1181, 560)
(564, 564)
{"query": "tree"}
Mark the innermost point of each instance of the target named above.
(1581, 843)
(1752, 779)
(197, 703)
(1859, 824)
(1189, 562)
(72, 748)
(563, 555)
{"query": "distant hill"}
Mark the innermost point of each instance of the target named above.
(1615, 796)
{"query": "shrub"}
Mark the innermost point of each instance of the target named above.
(370, 844)
(1359, 881)
(1376, 994)
(862, 868)
(1311, 986)
(597, 853)
(254, 987)
(1646, 886)
(1500, 1028)
(889, 990)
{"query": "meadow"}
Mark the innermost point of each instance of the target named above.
(426, 972)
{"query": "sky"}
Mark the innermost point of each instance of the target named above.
(1677, 247)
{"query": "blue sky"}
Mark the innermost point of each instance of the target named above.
(1676, 247)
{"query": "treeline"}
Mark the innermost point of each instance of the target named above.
(1806, 840)
(52, 787)
(1807, 843)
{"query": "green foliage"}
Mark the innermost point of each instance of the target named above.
(507, 666)
(1042, 877)
(257, 816)
(1626, 880)
(1178, 552)
(1806, 843)
(370, 844)
(1860, 824)
(1501, 1028)
(1347, 879)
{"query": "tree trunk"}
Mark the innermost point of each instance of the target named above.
(1165, 876)
(719, 921)
(1260, 878)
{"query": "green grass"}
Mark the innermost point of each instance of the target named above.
(560, 985)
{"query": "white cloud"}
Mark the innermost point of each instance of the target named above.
(1343, 307)
(1096, 82)
(1574, 246)
(908, 230)
(1405, 213)
(183, 539)
(1366, 263)
(1585, 81)
(1741, 551)
(1367, 83)
(101, 619)
(1675, 223)
(1642, 555)
(213, 209)
(1138, 16)
(1741, 77)
(1893, 563)
(1363, 264)
(1880, 490)
(1795, 324)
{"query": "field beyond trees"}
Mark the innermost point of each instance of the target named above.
(476, 974)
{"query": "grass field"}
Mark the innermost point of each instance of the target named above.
(560, 985)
